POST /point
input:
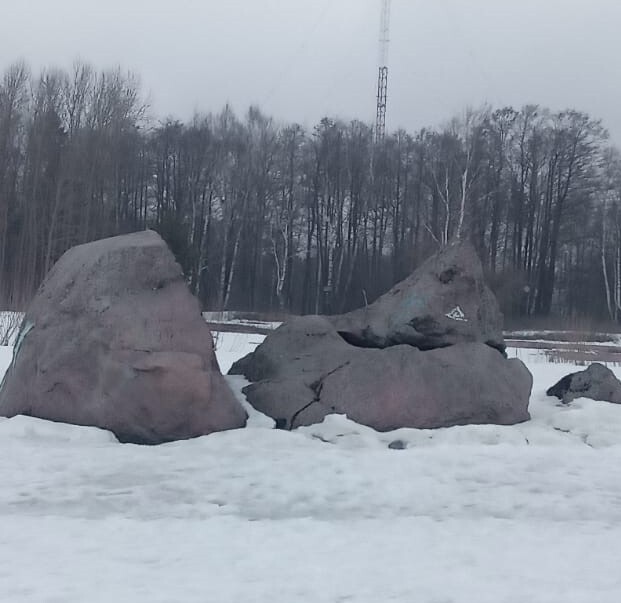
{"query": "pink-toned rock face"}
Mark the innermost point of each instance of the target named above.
(468, 383)
(305, 371)
(114, 339)
(429, 353)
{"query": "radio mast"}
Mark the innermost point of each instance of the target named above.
(382, 78)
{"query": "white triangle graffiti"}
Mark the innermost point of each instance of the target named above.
(457, 314)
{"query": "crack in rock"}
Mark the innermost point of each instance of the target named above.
(316, 386)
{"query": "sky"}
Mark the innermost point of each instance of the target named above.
(300, 60)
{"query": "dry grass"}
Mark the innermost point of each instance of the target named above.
(563, 329)
(564, 336)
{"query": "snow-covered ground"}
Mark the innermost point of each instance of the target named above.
(478, 514)
(9, 326)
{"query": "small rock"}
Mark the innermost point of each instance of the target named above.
(597, 382)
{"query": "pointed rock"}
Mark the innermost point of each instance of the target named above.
(443, 302)
(114, 339)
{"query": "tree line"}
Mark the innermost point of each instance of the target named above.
(269, 216)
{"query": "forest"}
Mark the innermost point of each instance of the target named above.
(277, 217)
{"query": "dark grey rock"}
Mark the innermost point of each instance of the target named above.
(597, 382)
(288, 367)
(114, 339)
(305, 371)
(298, 347)
(468, 383)
(443, 302)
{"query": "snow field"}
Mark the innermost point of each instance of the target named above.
(477, 514)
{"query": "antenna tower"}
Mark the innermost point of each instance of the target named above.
(382, 79)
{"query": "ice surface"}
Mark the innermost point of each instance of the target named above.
(329, 513)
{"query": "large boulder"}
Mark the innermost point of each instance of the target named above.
(305, 370)
(114, 339)
(468, 383)
(444, 302)
(597, 382)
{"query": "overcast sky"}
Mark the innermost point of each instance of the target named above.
(303, 59)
